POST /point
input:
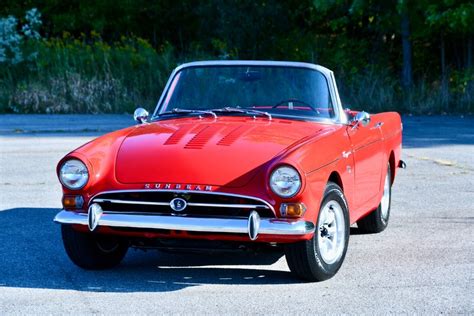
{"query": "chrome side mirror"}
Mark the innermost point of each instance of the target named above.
(362, 118)
(140, 115)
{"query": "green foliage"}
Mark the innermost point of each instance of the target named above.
(451, 16)
(13, 43)
(10, 41)
(108, 56)
(87, 75)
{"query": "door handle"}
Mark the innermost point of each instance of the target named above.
(378, 124)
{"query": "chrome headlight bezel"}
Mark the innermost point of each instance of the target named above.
(77, 172)
(292, 175)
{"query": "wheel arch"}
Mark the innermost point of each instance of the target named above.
(391, 161)
(336, 178)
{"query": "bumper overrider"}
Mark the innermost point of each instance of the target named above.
(253, 225)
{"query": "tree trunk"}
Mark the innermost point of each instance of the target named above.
(407, 71)
(444, 76)
(469, 53)
(468, 96)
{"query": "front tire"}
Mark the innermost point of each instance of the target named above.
(320, 258)
(377, 220)
(92, 251)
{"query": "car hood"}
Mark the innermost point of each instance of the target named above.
(227, 151)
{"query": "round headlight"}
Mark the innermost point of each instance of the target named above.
(73, 174)
(285, 181)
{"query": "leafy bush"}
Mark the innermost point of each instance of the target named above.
(83, 73)
(79, 75)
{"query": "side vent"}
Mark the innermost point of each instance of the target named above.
(202, 137)
(232, 136)
(178, 135)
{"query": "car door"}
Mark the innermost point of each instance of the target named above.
(368, 156)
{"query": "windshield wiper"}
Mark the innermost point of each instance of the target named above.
(228, 109)
(185, 111)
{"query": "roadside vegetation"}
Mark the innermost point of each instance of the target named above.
(110, 56)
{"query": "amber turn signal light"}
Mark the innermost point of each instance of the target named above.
(292, 209)
(73, 201)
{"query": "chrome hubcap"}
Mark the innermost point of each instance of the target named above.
(331, 232)
(385, 204)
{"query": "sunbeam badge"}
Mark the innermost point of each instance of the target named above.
(178, 204)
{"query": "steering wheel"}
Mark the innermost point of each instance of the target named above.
(288, 101)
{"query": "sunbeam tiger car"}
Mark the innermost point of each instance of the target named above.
(236, 153)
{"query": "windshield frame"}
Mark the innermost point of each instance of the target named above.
(339, 117)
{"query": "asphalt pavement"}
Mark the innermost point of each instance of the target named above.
(423, 263)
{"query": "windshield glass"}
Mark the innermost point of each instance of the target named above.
(278, 90)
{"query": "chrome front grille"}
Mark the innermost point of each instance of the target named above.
(199, 204)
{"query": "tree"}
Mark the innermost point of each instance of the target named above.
(452, 19)
(407, 68)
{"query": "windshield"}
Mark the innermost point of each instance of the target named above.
(278, 90)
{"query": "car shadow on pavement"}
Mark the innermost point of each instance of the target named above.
(32, 256)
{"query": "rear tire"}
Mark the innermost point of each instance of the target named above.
(320, 258)
(92, 251)
(377, 220)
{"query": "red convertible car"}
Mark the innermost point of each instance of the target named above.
(237, 154)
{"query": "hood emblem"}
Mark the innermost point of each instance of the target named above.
(182, 187)
(178, 204)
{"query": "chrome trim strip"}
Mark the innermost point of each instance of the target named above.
(296, 64)
(341, 116)
(249, 206)
(184, 223)
(130, 202)
(186, 192)
(246, 206)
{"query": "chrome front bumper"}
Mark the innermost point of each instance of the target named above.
(253, 225)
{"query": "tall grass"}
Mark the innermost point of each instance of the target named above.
(377, 90)
(87, 75)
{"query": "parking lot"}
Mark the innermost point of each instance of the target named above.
(423, 262)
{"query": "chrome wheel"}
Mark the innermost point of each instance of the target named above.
(332, 229)
(377, 220)
(385, 203)
(320, 257)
